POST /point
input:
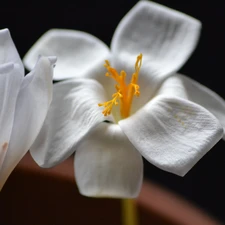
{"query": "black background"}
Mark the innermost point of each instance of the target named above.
(204, 185)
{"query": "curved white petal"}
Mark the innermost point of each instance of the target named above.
(76, 52)
(10, 80)
(31, 109)
(172, 133)
(107, 164)
(73, 112)
(173, 87)
(8, 52)
(184, 87)
(165, 37)
(202, 95)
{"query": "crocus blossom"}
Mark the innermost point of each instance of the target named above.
(152, 111)
(24, 102)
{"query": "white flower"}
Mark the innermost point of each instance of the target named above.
(173, 123)
(24, 102)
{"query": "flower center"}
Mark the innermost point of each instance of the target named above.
(125, 92)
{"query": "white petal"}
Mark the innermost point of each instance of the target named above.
(172, 133)
(73, 112)
(173, 87)
(165, 37)
(31, 109)
(77, 52)
(8, 52)
(10, 80)
(3, 151)
(107, 164)
(205, 97)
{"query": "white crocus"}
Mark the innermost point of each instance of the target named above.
(24, 102)
(173, 123)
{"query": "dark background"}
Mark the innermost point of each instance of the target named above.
(204, 185)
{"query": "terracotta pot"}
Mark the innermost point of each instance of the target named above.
(35, 196)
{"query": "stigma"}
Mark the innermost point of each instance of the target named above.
(124, 92)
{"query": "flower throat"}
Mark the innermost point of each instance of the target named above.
(125, 92)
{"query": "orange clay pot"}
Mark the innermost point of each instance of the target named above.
(35, 196)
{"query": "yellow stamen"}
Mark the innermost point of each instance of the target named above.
(125, 92)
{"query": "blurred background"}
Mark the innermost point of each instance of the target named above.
(204, 185)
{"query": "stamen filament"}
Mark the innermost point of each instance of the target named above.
(124, 92)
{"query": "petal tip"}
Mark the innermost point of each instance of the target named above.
(4, 31)
(52, 59)
(98, 194)
(143, 4)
